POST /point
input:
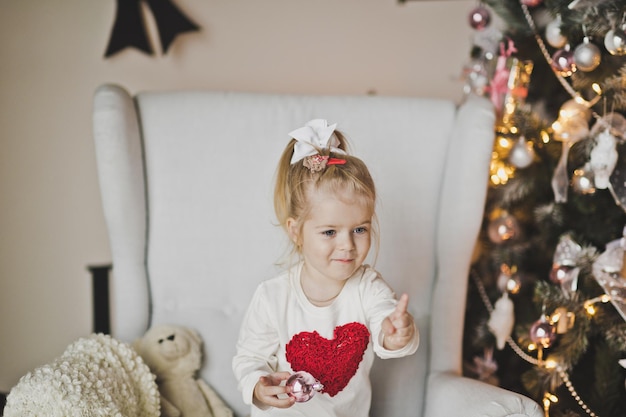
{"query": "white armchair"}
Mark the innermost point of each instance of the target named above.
(186, 180)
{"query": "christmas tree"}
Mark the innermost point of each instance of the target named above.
(546, 307)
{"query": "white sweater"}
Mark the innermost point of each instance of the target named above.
(283, 331)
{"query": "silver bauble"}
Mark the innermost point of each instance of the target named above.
(522, 153)
(587, 56)
(553, 33)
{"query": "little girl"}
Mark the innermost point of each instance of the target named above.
(328, 314)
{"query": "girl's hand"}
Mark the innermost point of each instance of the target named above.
(268, 389)
(398, 329)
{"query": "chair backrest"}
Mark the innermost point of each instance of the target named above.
(187, 181)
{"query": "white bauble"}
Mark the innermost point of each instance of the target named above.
(615, 41)
(522, 153)
(553, 33)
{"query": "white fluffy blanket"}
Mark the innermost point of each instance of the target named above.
(95, 376)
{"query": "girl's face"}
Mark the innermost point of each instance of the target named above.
(335, 238)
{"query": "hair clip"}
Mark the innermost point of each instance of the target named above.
(317, 163)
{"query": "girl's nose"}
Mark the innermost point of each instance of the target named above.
(347, 242)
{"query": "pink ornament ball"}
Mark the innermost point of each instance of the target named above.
(303, 386)
(563, 62)
(503, 227)
(479, 18)
(542, 333)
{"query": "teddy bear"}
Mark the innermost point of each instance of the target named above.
(173, 353)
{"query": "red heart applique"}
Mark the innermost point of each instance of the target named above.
(333, 362)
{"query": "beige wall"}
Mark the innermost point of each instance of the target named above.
(51, 60)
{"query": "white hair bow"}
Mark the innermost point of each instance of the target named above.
(313, 137)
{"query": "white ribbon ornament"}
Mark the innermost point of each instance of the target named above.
(502, 320)
(312, 138)
(607, 270)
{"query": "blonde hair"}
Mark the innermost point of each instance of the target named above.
(295, 182)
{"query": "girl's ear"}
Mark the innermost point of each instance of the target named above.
(293, 230)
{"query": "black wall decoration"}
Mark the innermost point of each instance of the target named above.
(129, 28)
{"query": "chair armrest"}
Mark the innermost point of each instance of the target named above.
(119, 156)
(453, 395)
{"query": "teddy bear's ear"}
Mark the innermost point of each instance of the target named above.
(193, 334)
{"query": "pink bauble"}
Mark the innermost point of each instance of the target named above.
(532, 3)
(563, 62)
(503, 227)
(479, 18)
(303, 386)
(542, 333)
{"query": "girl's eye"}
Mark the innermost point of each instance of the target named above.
(329, 233)
(360, 230)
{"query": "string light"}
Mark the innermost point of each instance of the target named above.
(550, 364)
(596, 87)
(589, 305)
(548, 399)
